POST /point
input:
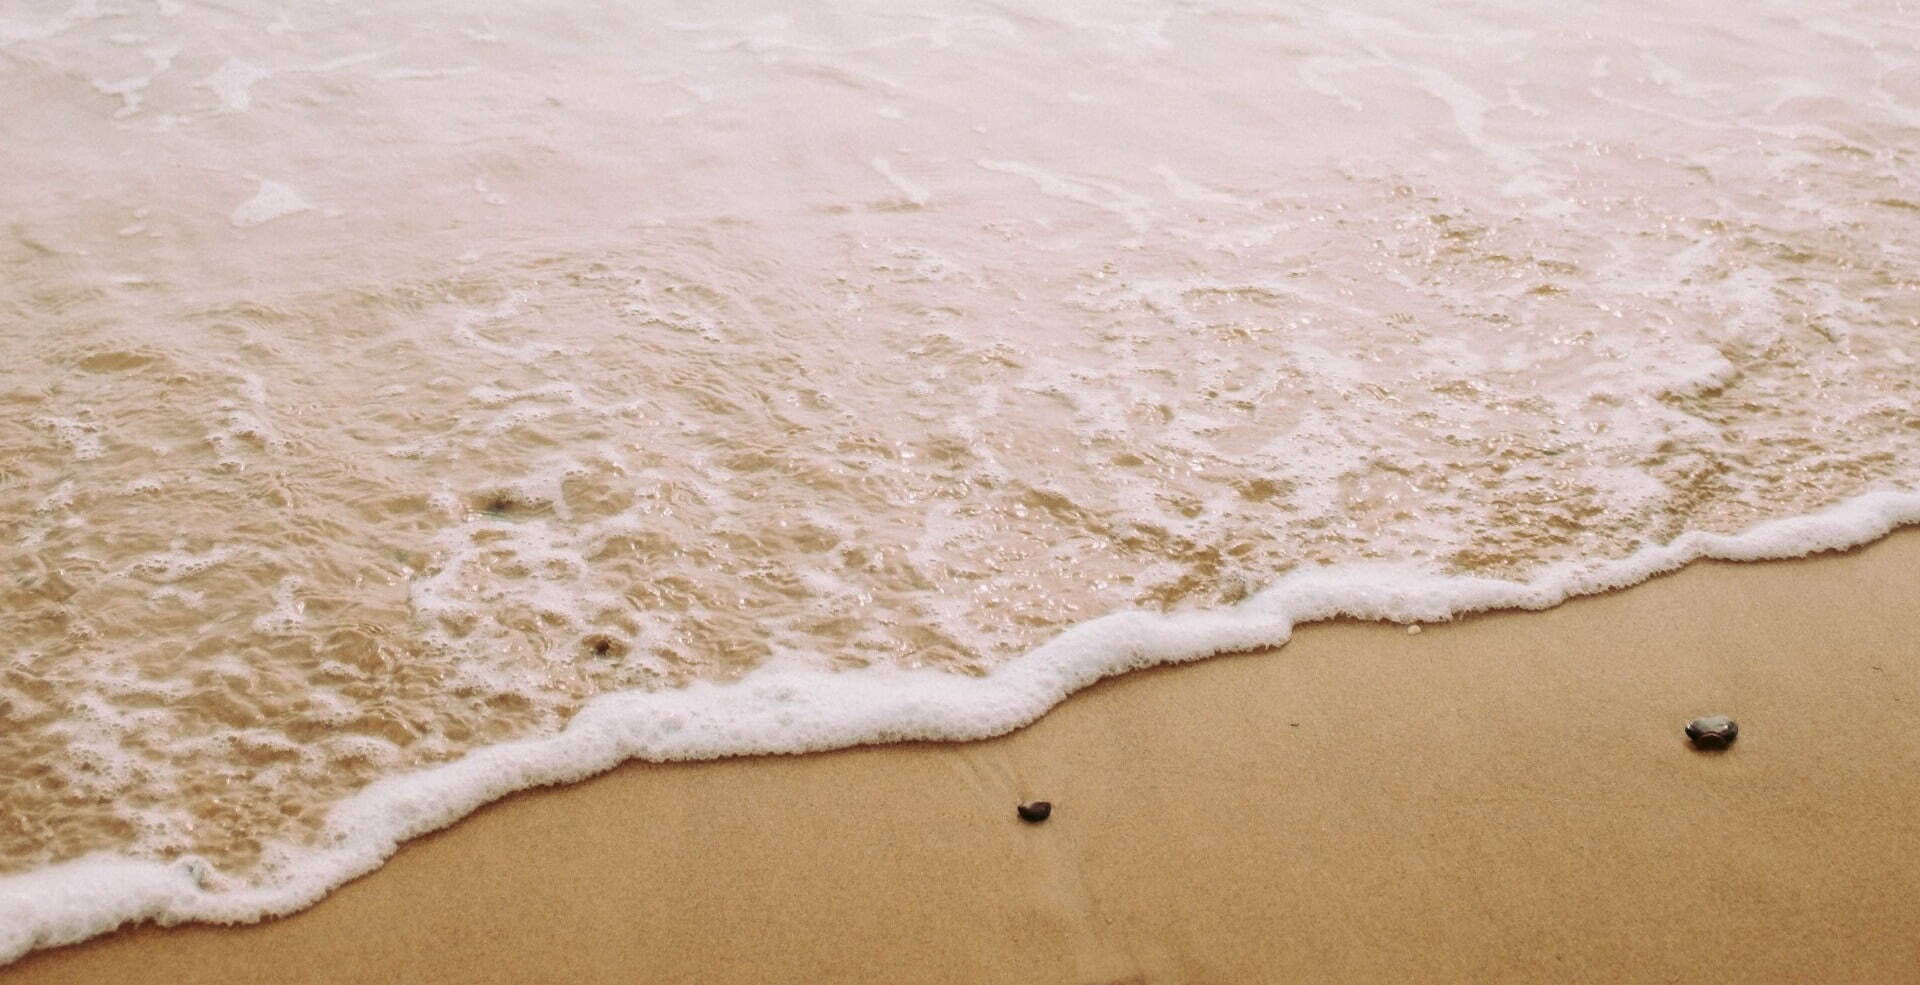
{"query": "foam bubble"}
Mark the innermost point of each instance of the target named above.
(914, 194)
(179, 564)
(288, 612)
(82, 437)
(272, 201)
(233, 82)
(784, 709)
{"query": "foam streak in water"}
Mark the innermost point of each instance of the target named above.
(780, 710)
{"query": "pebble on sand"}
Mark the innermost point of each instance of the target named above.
(1713, 731)
(1035, 812)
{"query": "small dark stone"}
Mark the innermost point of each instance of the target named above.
(1035, 812)
(1713, 731)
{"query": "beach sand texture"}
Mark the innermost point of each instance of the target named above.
(411, 402)
(1507, 798)
(405, 403)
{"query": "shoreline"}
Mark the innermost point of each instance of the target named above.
(788, 711)
(1520, 772)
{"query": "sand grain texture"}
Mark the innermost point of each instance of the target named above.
(1508, 798)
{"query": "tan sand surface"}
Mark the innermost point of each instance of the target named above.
(1507, 798)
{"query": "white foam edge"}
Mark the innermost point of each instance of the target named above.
(787, 710)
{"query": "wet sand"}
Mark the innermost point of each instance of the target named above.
(385, 382)
(1507, 798)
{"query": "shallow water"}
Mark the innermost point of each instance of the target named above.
(383, 383)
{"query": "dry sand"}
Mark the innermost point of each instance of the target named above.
(1507, 798)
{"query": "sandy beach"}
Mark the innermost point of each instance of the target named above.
(1506, 798)
(409, 403)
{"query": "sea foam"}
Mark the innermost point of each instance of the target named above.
(834, 346)
(784, 709)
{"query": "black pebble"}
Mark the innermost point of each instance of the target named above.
(1713, 731)
(1035, 812)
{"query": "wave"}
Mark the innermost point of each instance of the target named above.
(784, 709)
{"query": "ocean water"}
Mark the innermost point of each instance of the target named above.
(406, 403)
